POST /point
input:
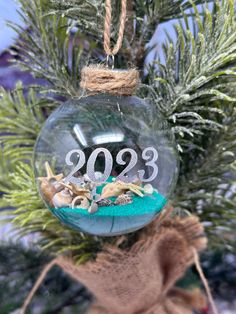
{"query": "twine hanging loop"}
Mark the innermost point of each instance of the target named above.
(107, 28)
(101, 79)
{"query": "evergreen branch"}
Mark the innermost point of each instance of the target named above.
(194, 90)
(5, 169)
(47, 49)
(20, 122)
(192, 87)
(89, 15)
(210, 188)
(165, 10)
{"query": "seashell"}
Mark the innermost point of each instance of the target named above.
(118, 188)
(77, 190)
(58, 186)
(112, 190)
(123, 199)
(62, 199)
(148, 189)
(80, 202)
(93, 208)
(48, 190)
(50, 175)
(105, 202)
(50, 185)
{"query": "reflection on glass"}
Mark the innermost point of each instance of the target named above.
(80, 135)
(108, 138)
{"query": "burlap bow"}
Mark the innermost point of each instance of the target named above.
(141, 280)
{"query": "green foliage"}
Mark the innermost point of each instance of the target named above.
(47, 49)
(89, 14)
(209, 187)
(165, 10)
(20, 122)
(194, 89)
(195, 84)
(88, 17)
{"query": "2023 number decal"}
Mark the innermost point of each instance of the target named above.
(149, 155)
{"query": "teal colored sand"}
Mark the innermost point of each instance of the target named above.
(149, 204)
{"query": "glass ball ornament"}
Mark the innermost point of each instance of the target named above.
(106, 165)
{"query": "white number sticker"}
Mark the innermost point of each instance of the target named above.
(149, 155)
(123, 176)
(79, 165)
(151, 160)
(91, 165)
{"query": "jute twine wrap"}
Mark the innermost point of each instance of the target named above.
(99, 79)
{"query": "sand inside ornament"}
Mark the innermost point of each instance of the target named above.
(149, 204)
(108, 205)
(113, 219)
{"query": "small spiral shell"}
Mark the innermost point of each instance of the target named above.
(123, 199)
(80, 202)
(105, 202)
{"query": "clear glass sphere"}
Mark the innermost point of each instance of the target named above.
(106, 165)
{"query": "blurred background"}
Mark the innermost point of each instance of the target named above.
(20, 261)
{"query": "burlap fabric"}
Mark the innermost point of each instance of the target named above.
(141, 280)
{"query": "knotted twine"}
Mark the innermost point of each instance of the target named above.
(101, 79)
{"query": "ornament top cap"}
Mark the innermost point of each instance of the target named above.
(100, 79)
